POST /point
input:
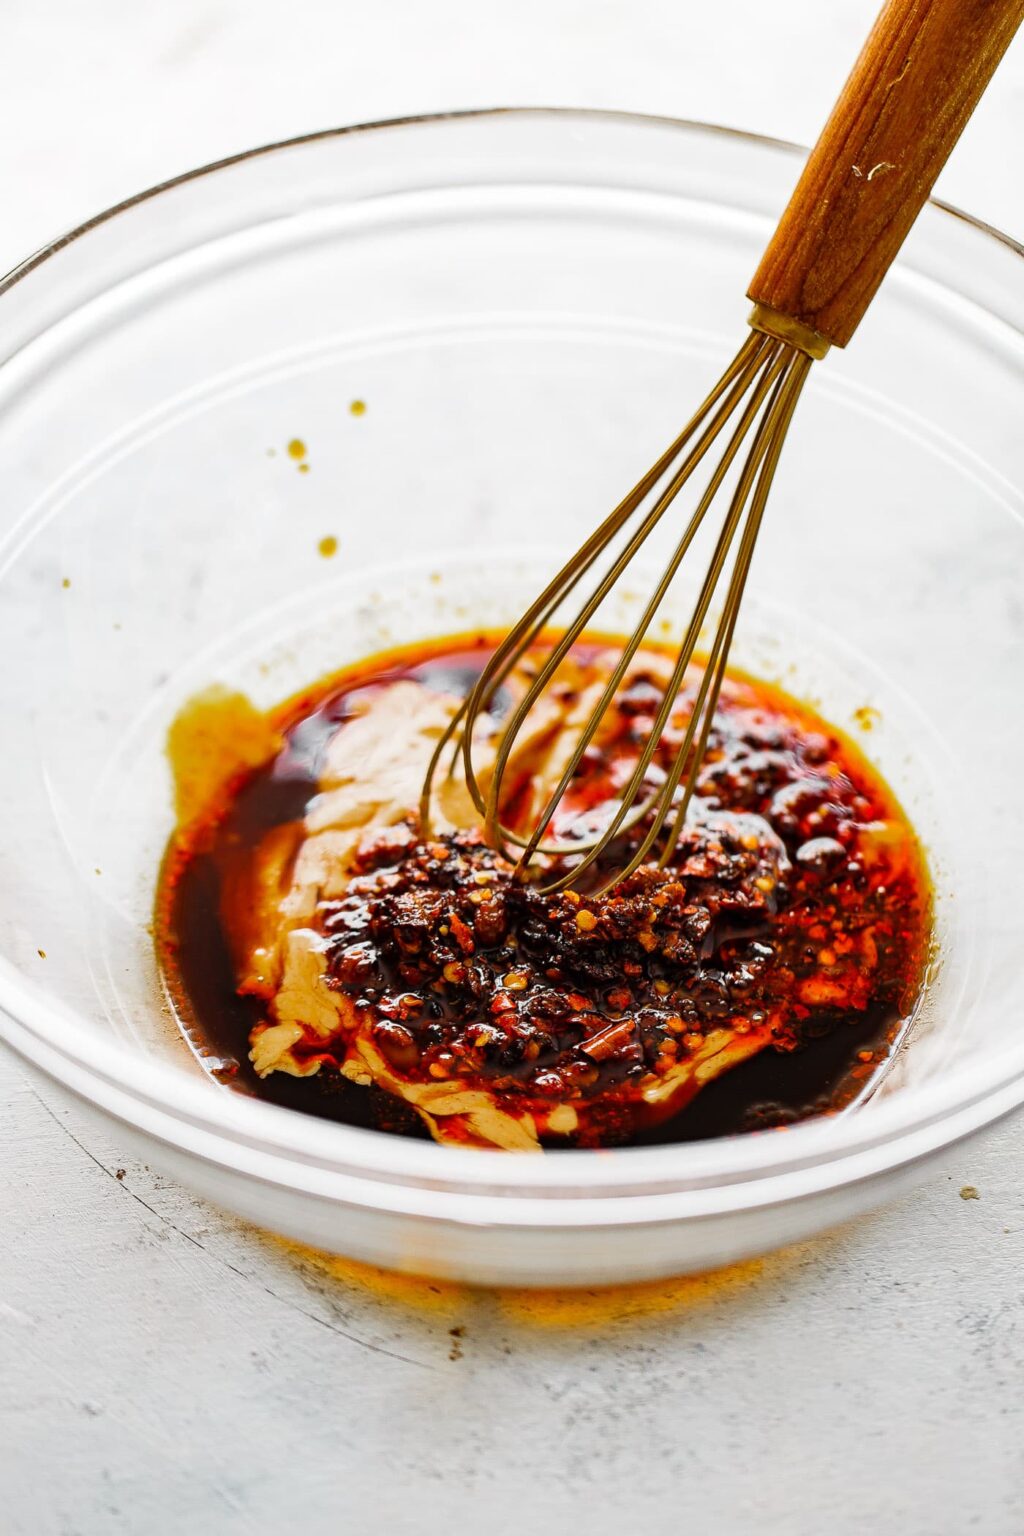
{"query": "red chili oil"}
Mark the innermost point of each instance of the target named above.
(851, 883)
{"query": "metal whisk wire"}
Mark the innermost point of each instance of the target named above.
(819, 273)
(766, 369)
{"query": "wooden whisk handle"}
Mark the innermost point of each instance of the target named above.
(919, 77)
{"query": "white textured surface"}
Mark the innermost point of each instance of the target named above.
(163, 1368)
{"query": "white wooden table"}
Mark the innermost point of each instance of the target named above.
(164, 1368)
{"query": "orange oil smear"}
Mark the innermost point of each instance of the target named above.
(550, 1308)
(555, 1308)
(216, 736)
(415, 1292)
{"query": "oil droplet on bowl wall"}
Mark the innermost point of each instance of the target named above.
(328, 546)
(297, 451)
(866, 717)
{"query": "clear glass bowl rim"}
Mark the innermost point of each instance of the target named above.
(358, 1167)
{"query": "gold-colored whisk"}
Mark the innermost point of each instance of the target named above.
(919, 76)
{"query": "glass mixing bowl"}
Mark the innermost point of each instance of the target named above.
(528, 303)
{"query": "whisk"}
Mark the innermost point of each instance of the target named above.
(919, 77)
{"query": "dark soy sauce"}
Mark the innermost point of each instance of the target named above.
(841, 1062)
